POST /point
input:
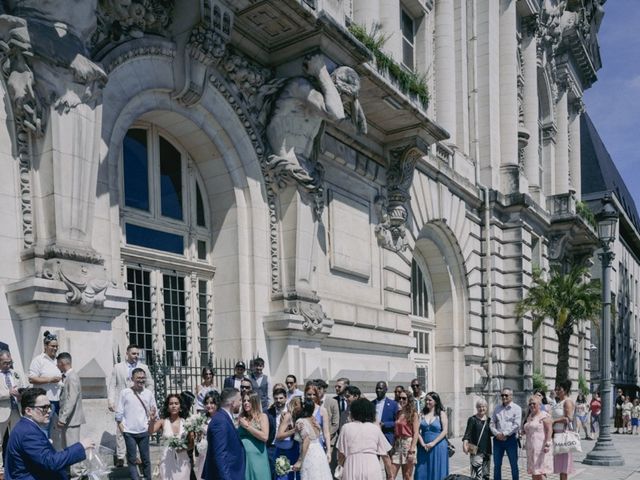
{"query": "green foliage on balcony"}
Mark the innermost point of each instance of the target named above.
(586, 214)
(539, 382)
(409, 82)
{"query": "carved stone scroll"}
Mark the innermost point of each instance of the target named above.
(392, 206)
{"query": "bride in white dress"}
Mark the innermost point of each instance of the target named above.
(314, 461)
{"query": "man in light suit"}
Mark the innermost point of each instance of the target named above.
(328, 402)
(10, 382)
(71, 415)
(225, 454)
(121, 379)
(30, 455)
(386, 410)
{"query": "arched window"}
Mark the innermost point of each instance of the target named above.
(422, 323)
(165, 247)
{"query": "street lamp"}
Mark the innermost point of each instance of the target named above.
(604, 452)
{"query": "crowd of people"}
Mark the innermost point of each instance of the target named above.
(254, 429)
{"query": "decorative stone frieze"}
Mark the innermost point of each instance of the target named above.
(393, 206)
(86, 285)
(314, 318)
(119, 21)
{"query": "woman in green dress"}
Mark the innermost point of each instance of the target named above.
(254, 431)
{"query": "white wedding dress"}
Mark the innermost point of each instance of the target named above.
(315, 465)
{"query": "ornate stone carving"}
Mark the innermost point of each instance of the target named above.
(392, 207)
(549, 26)
(46, 61)
(312, 313)
(206, 46)
(121, 20)
(86, 286)
(295, 110)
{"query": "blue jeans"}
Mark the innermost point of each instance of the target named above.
(135, 442)
(509, 445)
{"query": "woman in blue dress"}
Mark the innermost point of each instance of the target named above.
(433, 455)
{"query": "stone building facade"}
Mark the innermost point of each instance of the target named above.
(606, 182)
(231, 178)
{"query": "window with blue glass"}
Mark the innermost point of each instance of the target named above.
(136, 169)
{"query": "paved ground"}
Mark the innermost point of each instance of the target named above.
(628, 446)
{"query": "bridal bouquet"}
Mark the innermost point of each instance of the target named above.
(176, 442)
(283, 466)
(194, 423)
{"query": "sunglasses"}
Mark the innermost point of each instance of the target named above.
(289, 383)
(415, 385)
(505, 395)
(402, 398)
(44, 409)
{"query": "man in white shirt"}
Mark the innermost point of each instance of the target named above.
(505, 425)
(136, 408)
(121, 379)
(292, 387)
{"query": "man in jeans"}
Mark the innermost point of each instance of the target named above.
(505, 424)
(136, 408)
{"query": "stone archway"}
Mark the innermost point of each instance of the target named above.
(440, 256)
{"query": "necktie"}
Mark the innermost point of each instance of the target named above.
(7, 381)
(343, 407)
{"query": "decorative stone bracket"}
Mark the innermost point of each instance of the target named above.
(392, 205)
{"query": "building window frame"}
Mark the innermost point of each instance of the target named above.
(408, 33)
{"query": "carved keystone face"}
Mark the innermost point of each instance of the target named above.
(347, 81)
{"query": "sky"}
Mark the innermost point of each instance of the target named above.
(613, 102)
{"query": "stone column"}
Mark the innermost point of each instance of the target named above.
(562, 142)
(574, 155)
(445, 67)
(509, 168)
(531, 114)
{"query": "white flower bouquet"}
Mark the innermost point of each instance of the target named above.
(176, 442)
(283, 466)
(194, 423)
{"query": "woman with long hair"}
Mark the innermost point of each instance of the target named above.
(44, 373)
(313, 463)
(322, 417)
(476, 442)
(581, 414)
(286, 436)
(361, 442)
(406, 431)
(433, 456)
(175, 463)
(211, 404)
(562, 414)
(537, 429)
(205, 386)
(254, 432)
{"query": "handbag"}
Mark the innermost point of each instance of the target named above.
(472, 448)
(451, 450)
(337, 474)
(565, 442)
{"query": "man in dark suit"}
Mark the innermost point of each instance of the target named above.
(225, 454)
(30, 456)
(233, 381)
(386, 410)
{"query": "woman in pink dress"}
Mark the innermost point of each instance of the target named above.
(360, 444)
(537, 429)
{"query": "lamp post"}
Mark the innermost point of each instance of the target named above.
(604, 452)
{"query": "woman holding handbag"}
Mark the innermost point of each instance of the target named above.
(477, 442)
(562, 413)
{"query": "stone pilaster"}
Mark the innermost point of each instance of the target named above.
(575, 111)
(509, 168)
(445, 67)
(531, 113)
(562, 143)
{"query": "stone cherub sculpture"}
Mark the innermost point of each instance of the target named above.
(46, 57)
(297, 110)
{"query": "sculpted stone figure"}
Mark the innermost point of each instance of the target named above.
(44, 43)
(294, 130)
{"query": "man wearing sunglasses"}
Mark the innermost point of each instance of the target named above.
(30, 455)
(505, 424)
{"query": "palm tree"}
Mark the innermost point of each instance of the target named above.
(567, 299)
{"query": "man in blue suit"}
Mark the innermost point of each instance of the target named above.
(30, 455)
(386, 410)
(225, 454)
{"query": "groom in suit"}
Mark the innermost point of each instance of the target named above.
(225, 454)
